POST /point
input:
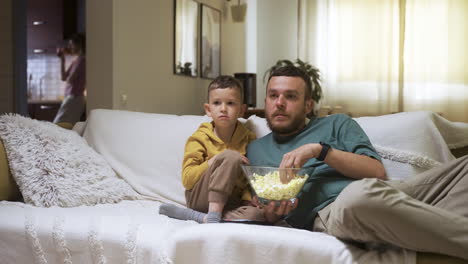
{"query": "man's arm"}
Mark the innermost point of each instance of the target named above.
(355, 165)
(349, 164)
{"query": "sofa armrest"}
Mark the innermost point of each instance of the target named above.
(66, 125)
(8, 187)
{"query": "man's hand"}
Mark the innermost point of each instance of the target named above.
(248, 203)
(298, 157)
(274, 212)
(349, 164)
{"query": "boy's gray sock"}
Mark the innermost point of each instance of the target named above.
(213, 217)
(181, 213)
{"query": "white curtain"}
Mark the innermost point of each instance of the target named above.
(187, 31)
(379, 57)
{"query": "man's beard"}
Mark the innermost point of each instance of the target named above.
(295, 125)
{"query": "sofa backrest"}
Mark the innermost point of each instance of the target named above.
(147, 149)
(144, 149)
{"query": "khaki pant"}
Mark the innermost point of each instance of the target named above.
(218, 184)
(428, 212)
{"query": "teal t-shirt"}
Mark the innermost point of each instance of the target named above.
(325, 182)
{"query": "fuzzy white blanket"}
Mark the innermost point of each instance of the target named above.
(133, 232)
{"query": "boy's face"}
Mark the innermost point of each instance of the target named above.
(224, 106)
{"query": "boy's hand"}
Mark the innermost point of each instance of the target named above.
(245, 160)
(210, 161)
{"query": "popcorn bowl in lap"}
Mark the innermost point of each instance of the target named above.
(275, 184)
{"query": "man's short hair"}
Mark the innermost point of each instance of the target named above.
(293, 71)
(226, 81)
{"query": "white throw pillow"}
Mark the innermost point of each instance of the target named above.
(258, 125)
(412, 142)
(54, 166)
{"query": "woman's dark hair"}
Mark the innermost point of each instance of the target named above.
(79, 40)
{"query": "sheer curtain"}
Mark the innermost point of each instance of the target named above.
(187, 30)
(436, 57)
(379, 57)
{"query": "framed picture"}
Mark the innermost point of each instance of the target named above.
(210, 42)
(186, 29)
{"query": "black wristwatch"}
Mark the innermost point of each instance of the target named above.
(324, 151)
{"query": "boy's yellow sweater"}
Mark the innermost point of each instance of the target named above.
(204, 144)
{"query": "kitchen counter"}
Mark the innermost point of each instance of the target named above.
(44, 101)
(43, 109)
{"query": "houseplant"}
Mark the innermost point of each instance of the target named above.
(312, 71)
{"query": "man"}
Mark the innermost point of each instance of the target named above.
(346, 195)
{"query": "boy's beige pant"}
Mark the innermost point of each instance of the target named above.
(428, 212)
(218, 184)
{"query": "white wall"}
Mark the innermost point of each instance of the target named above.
(100, 50)
(274, 25)
(130, 56)
(233, 42)
(130, 52)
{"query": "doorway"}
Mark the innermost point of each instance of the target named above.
(49, 23)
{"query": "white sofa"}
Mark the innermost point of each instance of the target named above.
(146, 150)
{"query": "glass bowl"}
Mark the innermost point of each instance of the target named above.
(275, 184)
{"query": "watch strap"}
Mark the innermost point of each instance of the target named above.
(323, 153)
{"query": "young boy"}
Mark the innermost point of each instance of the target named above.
(212, 175)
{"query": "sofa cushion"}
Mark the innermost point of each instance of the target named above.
(144, 149)
(55, 167)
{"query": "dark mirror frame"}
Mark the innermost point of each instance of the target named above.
(210, 42)
(184, 40)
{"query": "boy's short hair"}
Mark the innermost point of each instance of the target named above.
(226, 81)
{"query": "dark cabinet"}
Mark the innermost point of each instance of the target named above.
(257, 111)
(44, 26)
(43, 110)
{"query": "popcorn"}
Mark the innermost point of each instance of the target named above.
(270, 187)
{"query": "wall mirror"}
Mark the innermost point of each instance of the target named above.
(186, 37)
(210, 42)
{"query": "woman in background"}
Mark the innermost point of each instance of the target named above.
(73, 105)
